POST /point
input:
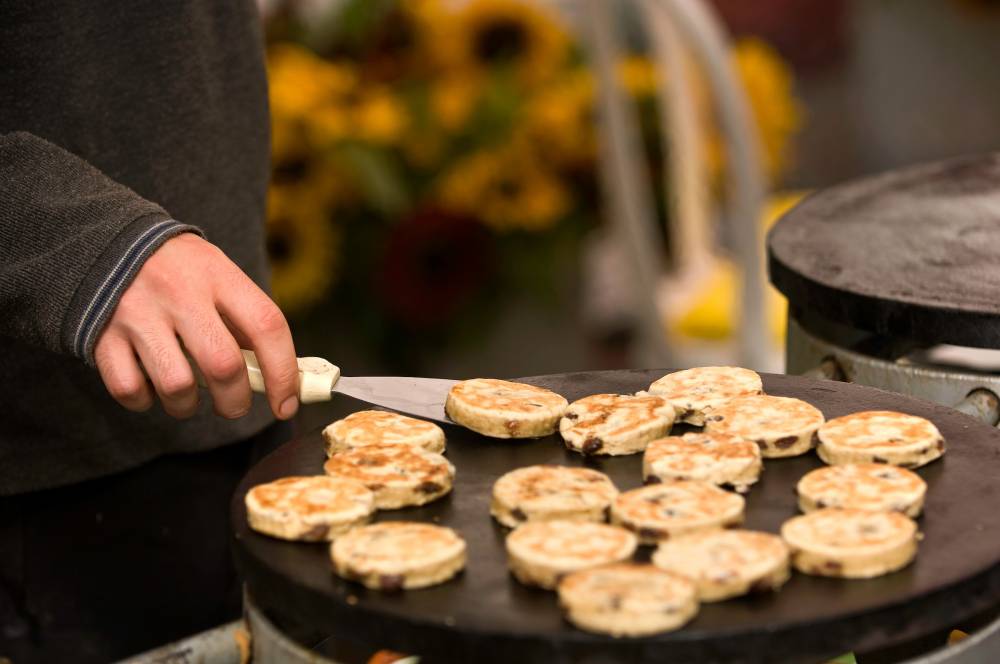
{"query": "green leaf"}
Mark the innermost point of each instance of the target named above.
(844, 659)
(351, 24)
(379, 176)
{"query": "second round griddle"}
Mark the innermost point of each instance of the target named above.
(486, 616)
(913, 253)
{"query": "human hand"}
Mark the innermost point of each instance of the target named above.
(189, 290)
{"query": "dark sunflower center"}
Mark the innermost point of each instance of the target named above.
(500, 41)
(279, 247)
(509, 187)
(437, 262)
(290, 170)
(398, 36)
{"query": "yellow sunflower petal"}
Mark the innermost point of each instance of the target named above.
(508, 188)
(379, 117)
(559, 120)
(302, 248)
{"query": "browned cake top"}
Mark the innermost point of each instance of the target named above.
(762, 417)
(368, 427)
(387, 464)
(306, 496)
(610, 416)
(549, 488)
(879, 428)
(626, 587)
(571, 542)
(677, 502)
(505, 396)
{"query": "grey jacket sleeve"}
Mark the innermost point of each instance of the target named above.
(71, 241)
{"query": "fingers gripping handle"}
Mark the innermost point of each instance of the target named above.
(316, 377)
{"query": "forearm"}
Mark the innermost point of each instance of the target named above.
(71, 240)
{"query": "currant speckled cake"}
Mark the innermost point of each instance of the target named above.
(615, 424)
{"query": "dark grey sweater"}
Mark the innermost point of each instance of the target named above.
(121, 125)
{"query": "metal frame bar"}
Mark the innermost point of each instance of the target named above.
(975, 394)
(706, 38)
(628, 186)
(982, 647)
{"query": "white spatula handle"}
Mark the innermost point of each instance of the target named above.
(316, 377)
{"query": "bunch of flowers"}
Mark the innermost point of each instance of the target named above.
(431, 156)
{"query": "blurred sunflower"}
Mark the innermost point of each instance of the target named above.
(559, 120)
(767, 81)
(424, 147)
(378, 116)
(326, 183)
(316, 103)
(510, 34)
(370, 113)
(453, 98)
(300, 82)
(403, 43)
(288, 141)
(508, 188)
(301, 248)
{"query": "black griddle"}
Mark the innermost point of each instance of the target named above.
(913, 253)
(486, 616)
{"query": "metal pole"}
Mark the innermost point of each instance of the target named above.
(705, 35)
(627, 186)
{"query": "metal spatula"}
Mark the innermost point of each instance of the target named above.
(320, 379)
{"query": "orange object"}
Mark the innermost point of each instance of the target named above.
(386, 657)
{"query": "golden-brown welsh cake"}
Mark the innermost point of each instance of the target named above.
(695, 392)
(503, 409)
(310, 509)
(781, 426)
(547, 493)
(370, 427)
(850, 543)
(865, 486)
(539, 553)
(615, 424)
(727, 563)
(662, 511)
(626, 599)
(720, 458)
(397, 555)
(880, 436)
(400, 475)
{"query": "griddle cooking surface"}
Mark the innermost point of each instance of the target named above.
(485, 616)
(913, 253)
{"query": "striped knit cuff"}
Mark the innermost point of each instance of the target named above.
(111, 275)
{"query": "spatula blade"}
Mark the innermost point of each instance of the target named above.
(420, 397)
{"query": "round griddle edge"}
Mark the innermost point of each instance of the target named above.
(486, 616)
(912, 253)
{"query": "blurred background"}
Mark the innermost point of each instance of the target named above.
(444, 199)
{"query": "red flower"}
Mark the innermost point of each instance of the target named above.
(433, 263)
